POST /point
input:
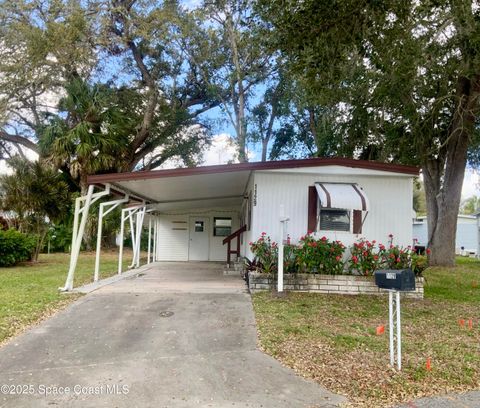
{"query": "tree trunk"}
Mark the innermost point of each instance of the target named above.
(264, 149)
(41, 234)
(241, 125)
(443, 179)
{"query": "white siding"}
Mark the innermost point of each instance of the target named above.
(173, 234)
(390, 205)
(248, 235)
(466, 236)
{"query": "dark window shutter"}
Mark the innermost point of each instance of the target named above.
(357, 222)
(312, 208)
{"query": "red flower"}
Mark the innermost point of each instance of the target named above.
(375, 257)
(391, 256)
(338, 257)
(324, 238)
(391, 246)
(428, 251)
(309, 232)
(398, 260)
(354, 259)
(382, 247)
(374, 242)
(263, 234)
(250, 243)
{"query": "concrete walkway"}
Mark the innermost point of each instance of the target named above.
(181, 335)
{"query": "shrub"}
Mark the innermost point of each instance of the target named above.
(327, 257)
(395, 257)
(290, 258)
(364, 258)
(15, 247)
(419, 263)
(320, 256)
(266, 254)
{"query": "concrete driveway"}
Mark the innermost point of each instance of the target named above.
(178, 335)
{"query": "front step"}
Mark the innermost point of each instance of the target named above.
(236, 268)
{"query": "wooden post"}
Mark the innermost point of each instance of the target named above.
(238, 246)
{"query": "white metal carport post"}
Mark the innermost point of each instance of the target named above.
(149, 250)
(149, 242)
(155, 235)
(114, 204)
(78, 230)
(124, 218)
(140, 218)
(155, 239)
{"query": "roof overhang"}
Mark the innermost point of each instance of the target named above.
(220, 185)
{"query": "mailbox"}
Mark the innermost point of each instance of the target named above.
(401, 279)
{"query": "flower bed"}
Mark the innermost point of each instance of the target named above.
(325, 257)
(319, 283)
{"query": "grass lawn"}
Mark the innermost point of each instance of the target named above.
(332, 338)
(29, 292)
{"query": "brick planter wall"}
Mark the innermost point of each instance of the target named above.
(336, 284)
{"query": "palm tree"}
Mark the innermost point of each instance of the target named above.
(37, 194)
(89, 134)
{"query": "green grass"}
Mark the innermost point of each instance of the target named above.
(459, 284)
(29, 292)
(332, 338)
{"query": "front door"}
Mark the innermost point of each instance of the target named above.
(198, 247)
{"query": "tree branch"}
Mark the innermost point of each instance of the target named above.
(17, 139)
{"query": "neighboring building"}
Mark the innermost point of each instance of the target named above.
(466, 238)
(196, 209)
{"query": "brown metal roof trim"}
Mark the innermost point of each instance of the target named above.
(270, 165)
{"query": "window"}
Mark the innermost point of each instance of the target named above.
(336, 207)
(334, 219)
(198, 226)
(222, 227)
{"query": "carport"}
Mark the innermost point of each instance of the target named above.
(144, 195)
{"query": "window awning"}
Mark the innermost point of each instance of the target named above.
(342, 195)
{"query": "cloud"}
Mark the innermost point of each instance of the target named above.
(4, 169)
(471, 184)
(221, 151)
